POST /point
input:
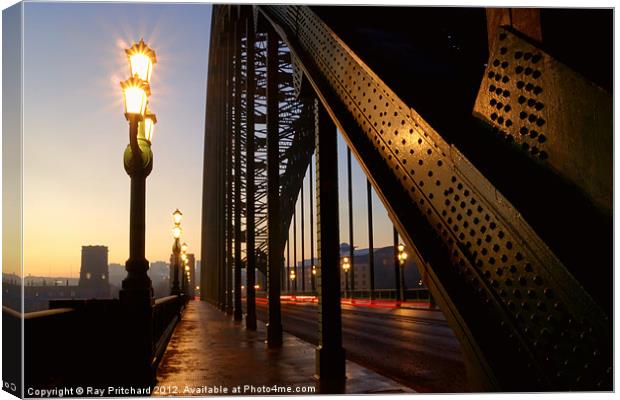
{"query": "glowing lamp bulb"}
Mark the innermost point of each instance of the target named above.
(149, 125)
(135, 96)
(141, 59)
(177, 216)
(176, 232)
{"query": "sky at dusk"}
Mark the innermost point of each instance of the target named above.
(76, 191)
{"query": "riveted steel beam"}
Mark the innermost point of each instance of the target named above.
(551, 113)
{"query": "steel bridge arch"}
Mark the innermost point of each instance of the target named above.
(522, 317)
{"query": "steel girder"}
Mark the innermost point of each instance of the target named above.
(524, 321)
(296, 135)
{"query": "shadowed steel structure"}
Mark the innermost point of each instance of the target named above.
(482, 202)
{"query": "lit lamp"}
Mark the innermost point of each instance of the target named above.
(177, 216)
(138, 163)
(345, 264)
(185, 287)
(292, 277)
(313, 278)
(135, 95)
(141, 59)
(345, 267)
(402, 257)
(184, 282)
(148, 125)
(175, 290)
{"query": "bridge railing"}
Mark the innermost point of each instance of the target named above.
(166, 313)
(81, 342)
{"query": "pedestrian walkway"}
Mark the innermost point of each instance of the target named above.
(209, 354)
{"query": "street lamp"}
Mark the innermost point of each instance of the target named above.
(292, 277)
(345, 267)
(185, 284)
(186, 275)
(138, 163)
(402, 257)
(175, 290)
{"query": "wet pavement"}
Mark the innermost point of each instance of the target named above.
(210, 354)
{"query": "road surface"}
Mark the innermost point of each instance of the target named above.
(414, 347)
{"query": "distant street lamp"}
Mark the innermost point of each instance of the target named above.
(185, 284)
(138, 163)
(402, 258)
(313, 278)
(292, 277)
(176, 251)
(345, 267)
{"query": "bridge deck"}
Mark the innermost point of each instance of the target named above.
(210, 350)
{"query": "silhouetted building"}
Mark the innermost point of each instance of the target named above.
(159, 272)
(116, 274)
(94, 271)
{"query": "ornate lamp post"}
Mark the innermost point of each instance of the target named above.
(187, 278)
(292, 277)
(313, 279)
(138, 161)
(136, 294)
(345, 267)
(402, 257)
(184, 271)
(176, 251)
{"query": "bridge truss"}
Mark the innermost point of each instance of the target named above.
(527, 318)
